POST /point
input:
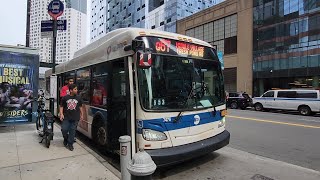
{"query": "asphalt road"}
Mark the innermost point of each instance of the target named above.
(280, 136)
(232, 164)
(263, 145)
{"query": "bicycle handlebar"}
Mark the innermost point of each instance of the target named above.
(37, 99)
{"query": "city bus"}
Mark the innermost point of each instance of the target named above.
(165, 90)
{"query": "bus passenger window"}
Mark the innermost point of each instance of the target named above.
(99, 85)
(99, 96)
(83, 83)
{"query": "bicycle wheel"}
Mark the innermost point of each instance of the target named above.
(38, 121)
(40, 126)
(47, 141)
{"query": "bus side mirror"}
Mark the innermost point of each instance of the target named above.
(144, 60)
(137, 45)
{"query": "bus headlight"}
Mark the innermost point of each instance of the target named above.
(222, 122)
(151, 135)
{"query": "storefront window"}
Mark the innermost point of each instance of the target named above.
(313, 61)
(284, 64)
(304, 61)
(276, 64)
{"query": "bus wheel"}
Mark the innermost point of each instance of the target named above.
(304, 110)
(258, 107)
(100, 133)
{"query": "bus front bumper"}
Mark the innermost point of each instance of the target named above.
(174, 155)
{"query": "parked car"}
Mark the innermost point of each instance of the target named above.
(307, 102)
(237, 100)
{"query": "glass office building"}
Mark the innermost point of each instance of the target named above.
(286, 44)
(163, 16)
(108, 15)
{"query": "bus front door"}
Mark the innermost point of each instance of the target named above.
(117, 123)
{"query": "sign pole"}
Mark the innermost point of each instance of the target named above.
(55, 9)
(54, 46)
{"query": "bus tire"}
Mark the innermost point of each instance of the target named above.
(304, 110)
(100, 133)
(258, 107)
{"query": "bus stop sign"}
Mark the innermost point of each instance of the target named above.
(55, 9)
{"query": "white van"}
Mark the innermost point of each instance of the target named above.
(306, 102)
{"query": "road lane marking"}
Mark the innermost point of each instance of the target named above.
(309, 120)
(275, 122)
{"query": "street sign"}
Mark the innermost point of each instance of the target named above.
(55, 9)
(61, 24)
(47, 26)
(47, 34)
(220, 57)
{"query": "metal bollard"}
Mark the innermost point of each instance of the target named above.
(141, 167)
(125, 156)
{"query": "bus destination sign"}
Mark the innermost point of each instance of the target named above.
(180, 48)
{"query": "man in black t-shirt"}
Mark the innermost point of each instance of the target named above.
(71, 111)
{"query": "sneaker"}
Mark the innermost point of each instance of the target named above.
(75, 140)
(65, 142)
(70, 147)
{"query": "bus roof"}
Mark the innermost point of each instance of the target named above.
(111, 46)
(297, 89)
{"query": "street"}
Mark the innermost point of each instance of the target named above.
(263, 145)
(281, 136)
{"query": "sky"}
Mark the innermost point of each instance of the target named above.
(13, 20)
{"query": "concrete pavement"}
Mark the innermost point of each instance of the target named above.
(23, 158)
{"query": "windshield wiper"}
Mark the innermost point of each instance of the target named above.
(207, 90)
(184, 104)
(203, 87)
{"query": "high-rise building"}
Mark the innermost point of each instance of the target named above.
(286, 44)
(68, 41)
(78, 5)
(28, 23)
(108, 15)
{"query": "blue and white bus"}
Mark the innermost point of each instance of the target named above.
(165, 90)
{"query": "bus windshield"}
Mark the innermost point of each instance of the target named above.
(180, 83)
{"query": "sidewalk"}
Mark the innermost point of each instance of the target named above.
(22, 157)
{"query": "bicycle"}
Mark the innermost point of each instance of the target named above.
(44, 121)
